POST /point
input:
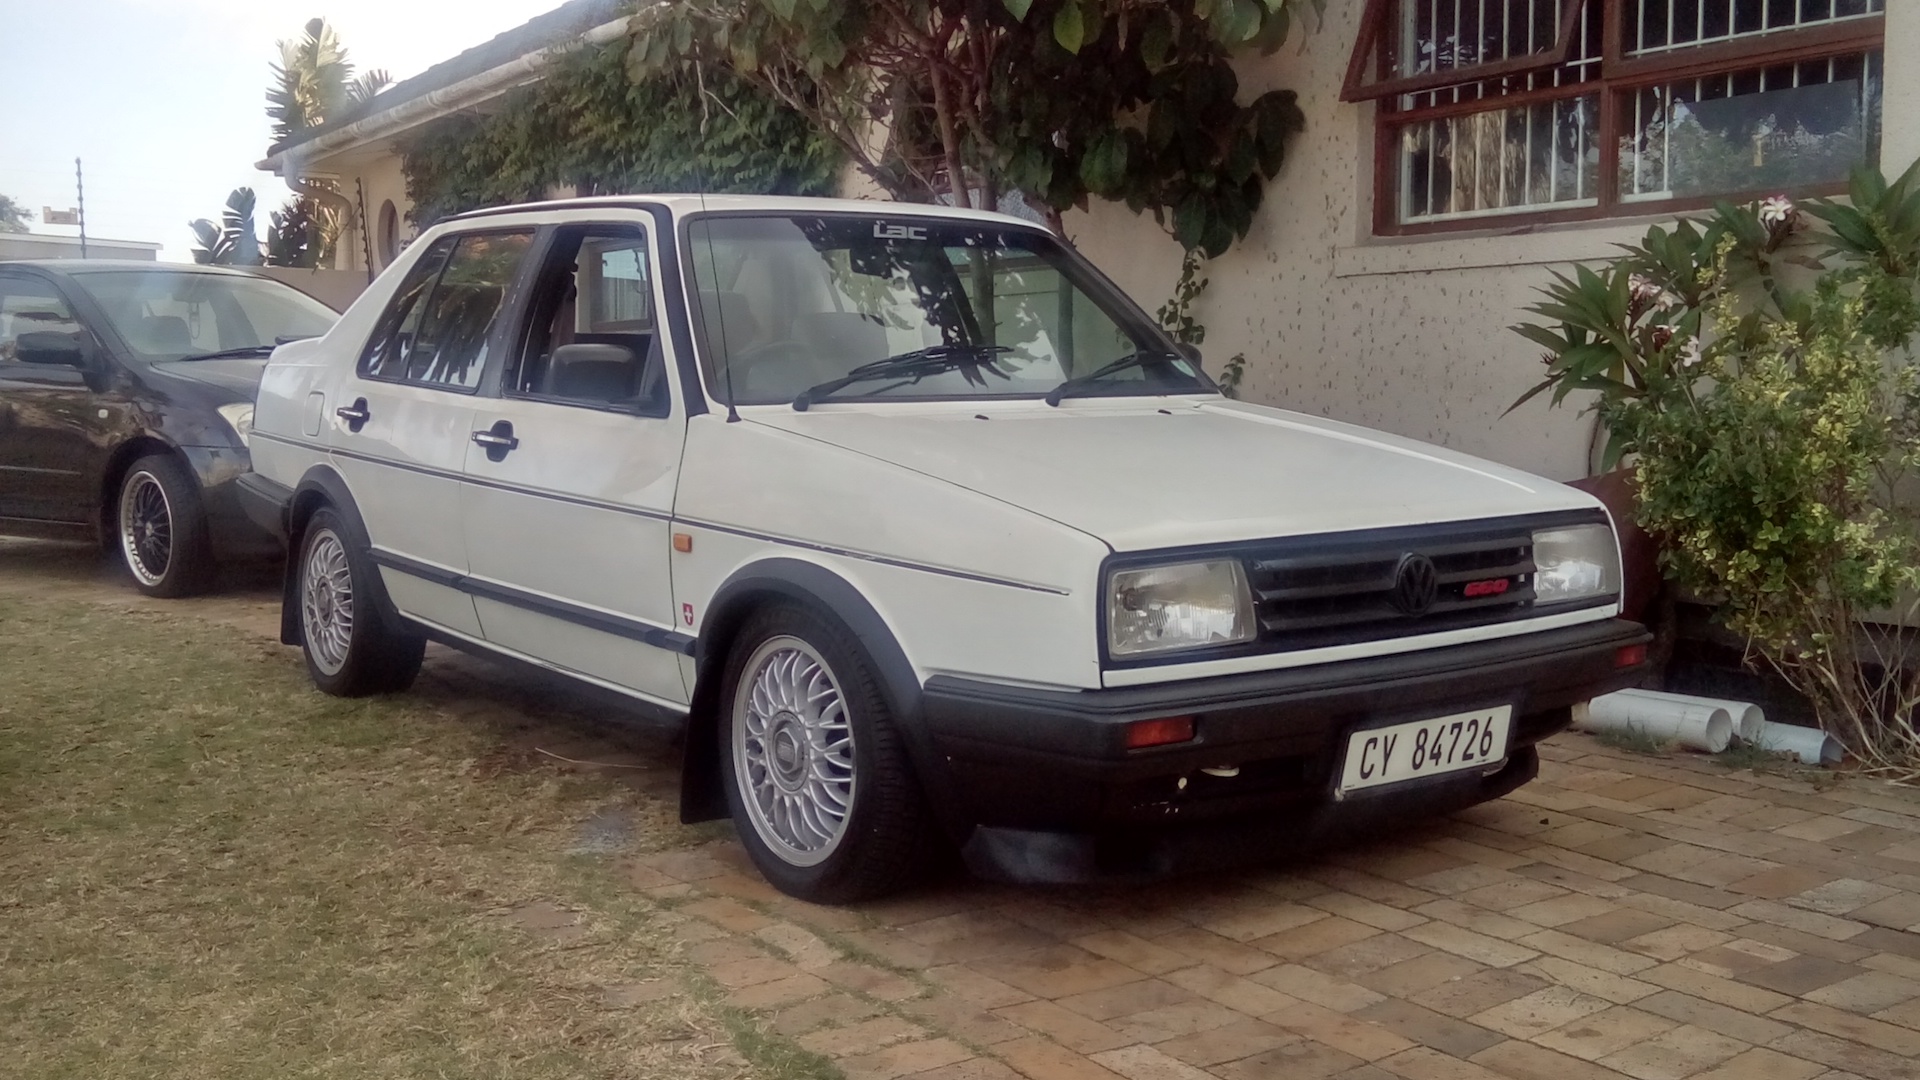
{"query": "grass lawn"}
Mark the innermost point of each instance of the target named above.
(210, 870)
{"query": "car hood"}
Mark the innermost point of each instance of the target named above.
(1168, 472)
(239, 375)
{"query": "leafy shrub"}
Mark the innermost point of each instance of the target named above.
(1758, 370)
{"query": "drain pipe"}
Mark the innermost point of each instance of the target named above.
(1811, 745)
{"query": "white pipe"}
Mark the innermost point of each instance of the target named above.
(1747, 717)
(1692, 724)
(1811, 745)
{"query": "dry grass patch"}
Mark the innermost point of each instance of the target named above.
(209, 870)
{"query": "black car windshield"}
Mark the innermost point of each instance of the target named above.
(797, 303)
(165, 314)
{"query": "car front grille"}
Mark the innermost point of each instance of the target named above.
(1330, 591)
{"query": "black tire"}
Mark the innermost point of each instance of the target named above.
(335, 578)
(887, 840)
(160, 528)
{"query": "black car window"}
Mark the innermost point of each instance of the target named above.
(590, 337)
(436, 329)
(28, 305)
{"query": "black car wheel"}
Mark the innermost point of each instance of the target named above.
(351, 649)
(819, 785)
(162, 528)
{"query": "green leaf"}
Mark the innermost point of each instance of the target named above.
(1156, 43)
(1019, 8)
(782, 8)
(1070, 27)
(1190, 222)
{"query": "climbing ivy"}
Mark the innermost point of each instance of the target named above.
(587, 125)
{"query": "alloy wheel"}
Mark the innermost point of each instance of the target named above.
(793, 752)
(326, 602)
(146, 527)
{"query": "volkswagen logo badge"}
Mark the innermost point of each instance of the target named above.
(1416, 584)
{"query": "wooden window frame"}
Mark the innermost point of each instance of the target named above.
(1620, 76)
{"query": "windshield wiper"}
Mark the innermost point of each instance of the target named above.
(1080, 382)
(229, 354)
(909, 365)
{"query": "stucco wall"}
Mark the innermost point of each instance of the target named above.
(381, 179)
(1408, 335)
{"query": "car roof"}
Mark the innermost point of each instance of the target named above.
(71, 267)
(682, 205)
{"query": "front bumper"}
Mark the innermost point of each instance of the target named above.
(1055, 795)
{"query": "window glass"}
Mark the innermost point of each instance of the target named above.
(790, 303)
(165, 314)
(436, 327)
(30, 306)
(590, 331)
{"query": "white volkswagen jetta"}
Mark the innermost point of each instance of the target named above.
(926, 534)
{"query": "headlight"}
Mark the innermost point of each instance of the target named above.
(1578, 562)
(240, 418)
(1184, 606)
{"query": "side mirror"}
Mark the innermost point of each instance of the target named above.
(1188, 352)
(49, 347)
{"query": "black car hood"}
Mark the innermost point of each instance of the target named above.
(240, 375)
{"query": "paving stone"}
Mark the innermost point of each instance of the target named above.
(1528, 1061)
(1428, 1028)
(1366, 955)
(1309, 940)
(779, 992)
(1684, 891)
(1240, 994)
(1592, 954)
(1471, 944)
(869, 980)
(1760, 1063)
(1476, 993)
(914, 1058)
(1846, 952)
(1363, 1039)
(861, 1037)
(1039, 1059)
(963, 1020)
(1867, 993)
(1882, 1036)
(1057, 971)
(1173, 1021)
(1675, 1054)
(1616, 926)
(1726, 992)
(1420, 973)
(971, 1069)
(1855, 1059)
(1618, 989)
(1900, 911)
(1539, 1012)
(1205, 947)
(1607, 1031)
(1306, 984)
(1561, 910)
(1302, 1059)
(834, 1008)
(981, 990)
(1256, 918)
(1687, 1009)
(1244, 1037)
(1126, 998)
(1421, 1063)
(1135, 952)
(1367, 912)
(1477, 919)
(1799, 975)
(1811, 922)
(1842, 896)
(1674, 942)
(1064, 1026)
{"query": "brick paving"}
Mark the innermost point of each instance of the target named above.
(1624, 916)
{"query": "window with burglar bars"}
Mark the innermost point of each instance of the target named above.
(1554, 110)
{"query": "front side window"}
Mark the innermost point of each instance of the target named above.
(590, 337)
(938, 309)
(1568, 109)
(186, 314)
(28, 305)
(438, 326)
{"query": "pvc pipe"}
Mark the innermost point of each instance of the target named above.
(1747, 717)
(1693, 724)
(1811, 745)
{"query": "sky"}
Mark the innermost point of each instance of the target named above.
(165, 100)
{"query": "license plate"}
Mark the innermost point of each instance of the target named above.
(1392, 755)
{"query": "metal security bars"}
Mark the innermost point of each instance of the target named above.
(1648, 104)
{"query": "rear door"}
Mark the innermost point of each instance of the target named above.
(51, 431)
(400, 429)
(571, 476)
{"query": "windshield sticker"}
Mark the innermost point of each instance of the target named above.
(884, 231)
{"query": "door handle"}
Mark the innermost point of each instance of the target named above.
(497, 439)
(356, 414)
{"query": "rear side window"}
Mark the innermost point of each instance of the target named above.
(437, 328)
(26, 306)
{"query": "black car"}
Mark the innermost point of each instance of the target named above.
(126, 404)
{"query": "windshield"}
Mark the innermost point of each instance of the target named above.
(794, 303)
(171, 314)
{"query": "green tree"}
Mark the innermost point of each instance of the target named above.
(232, 242)
(13, 216)
(311, 81)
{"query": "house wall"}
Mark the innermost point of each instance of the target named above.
(1401, 333)
(381, 180)
(49, 246)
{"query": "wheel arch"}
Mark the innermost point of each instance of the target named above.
(107, 523)
(786, 580)
(321, 486)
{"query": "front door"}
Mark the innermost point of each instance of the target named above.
(51, 450)
(400, 430)
(570, 476)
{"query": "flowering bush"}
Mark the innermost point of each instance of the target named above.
(1759, 371)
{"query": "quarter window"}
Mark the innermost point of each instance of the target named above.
(437, 329)
(1568, 109)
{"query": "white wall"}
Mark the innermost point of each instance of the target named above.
(1406, 334)
(49, 246)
